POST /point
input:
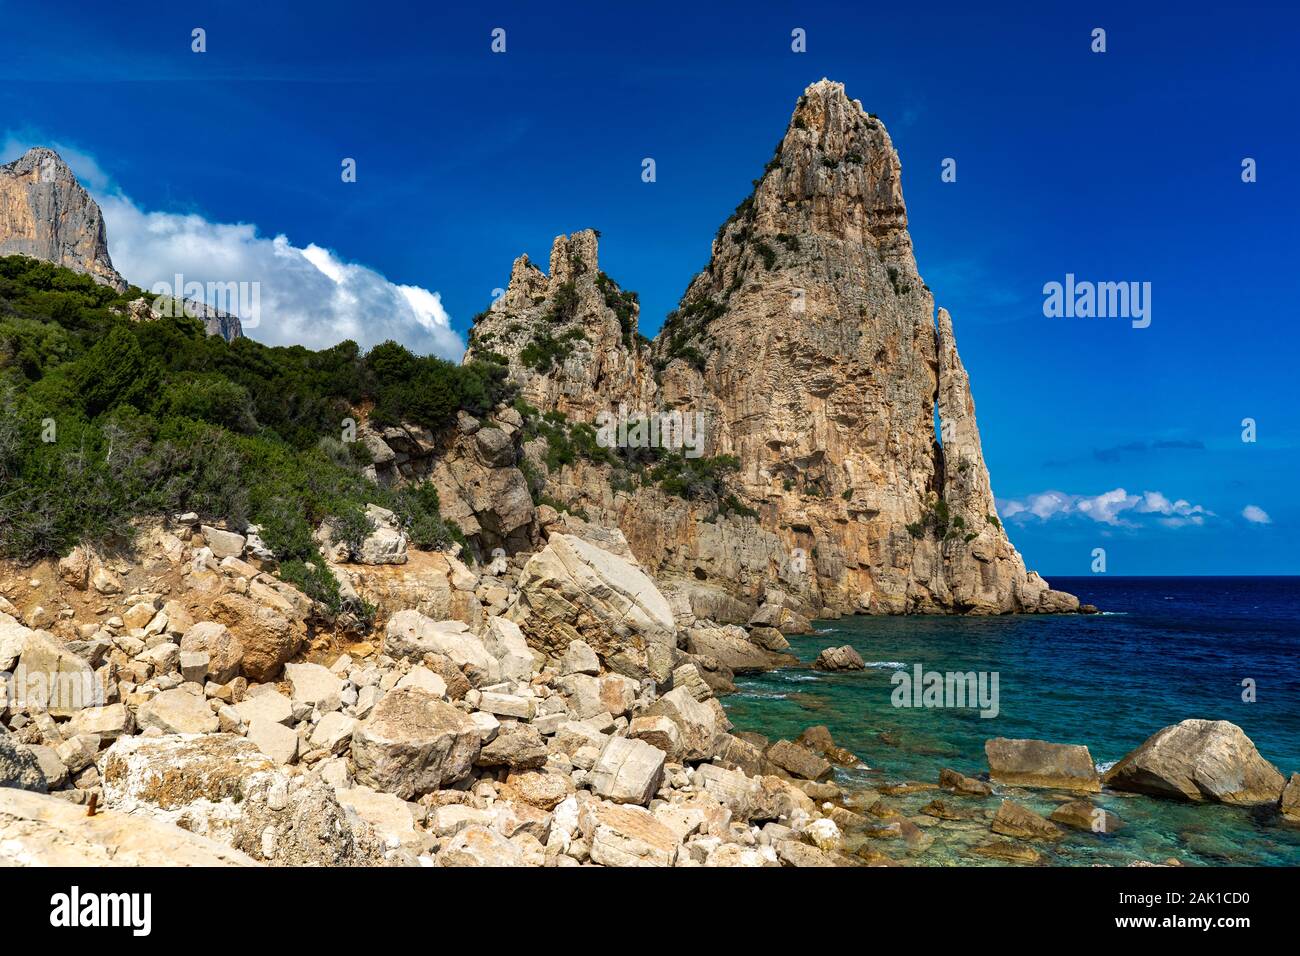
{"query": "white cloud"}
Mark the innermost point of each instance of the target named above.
(1256, 515)
(306, 295)
(1117, 508)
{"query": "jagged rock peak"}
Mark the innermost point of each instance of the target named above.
(46, 214)
(574, 255)
(568, 339)
(571, 256)
(835, 174)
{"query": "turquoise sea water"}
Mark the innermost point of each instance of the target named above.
(1165, 650)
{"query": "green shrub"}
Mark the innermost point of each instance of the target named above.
(147, 418)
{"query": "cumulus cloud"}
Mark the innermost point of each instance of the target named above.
(1117, 508)
(1256, 515)
(287, 294)
(305, 295)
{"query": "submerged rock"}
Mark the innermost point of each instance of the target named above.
(1082, 815)
(1014, 820)
(960, 783)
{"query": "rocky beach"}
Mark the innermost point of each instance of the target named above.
(580, 726)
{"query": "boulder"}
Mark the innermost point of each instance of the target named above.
(517, 746)
(479, 845)
(277, 741)
(579, 658)
(539, 789)
(688, 676)
(741, 794)
(960, 783)
(108, 722)
(75, 568)
(700, 724)
(627, 771)
(19, 767)
(1008, 851)
(573, 590)
(1199, 760)
(224, 650)
(409, 634)
(314, 685)
(200, 783)
(794, 853)
(843, 658)
(388, 816)
(799, 761)
(818, 739)
(426, 680)
(508, 705)
(1038, 763)
(730, 647)
(269, 638)
(387, 543)
(303, 824)
(46, 831)
(333, 732)
(224, 544)
(769, 638)
(658, 732)
(627, 836)
(49, 676)
(177, 711)
(734, 855)
(104, 581)
(270, 704)
(738, 753)
(781, 618)
(412, 743)
(505, 641)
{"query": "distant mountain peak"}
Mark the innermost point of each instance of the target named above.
(45, 213)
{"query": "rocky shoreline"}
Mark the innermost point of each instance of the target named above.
(553, 713)
(219, 711)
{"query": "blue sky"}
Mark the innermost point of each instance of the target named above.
(1117, 166)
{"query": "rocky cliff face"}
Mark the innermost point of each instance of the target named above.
(809, 345)
(46, 214)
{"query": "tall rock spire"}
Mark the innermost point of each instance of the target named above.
(809, 346)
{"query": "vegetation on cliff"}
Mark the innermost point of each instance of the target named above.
(104, 419)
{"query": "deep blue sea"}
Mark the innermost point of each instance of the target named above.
(1164, 650)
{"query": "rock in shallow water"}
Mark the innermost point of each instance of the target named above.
(1038, 763)
(1200, 760)
(843, 658)
(1082, 815)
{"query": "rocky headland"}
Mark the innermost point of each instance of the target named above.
(538, 680)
